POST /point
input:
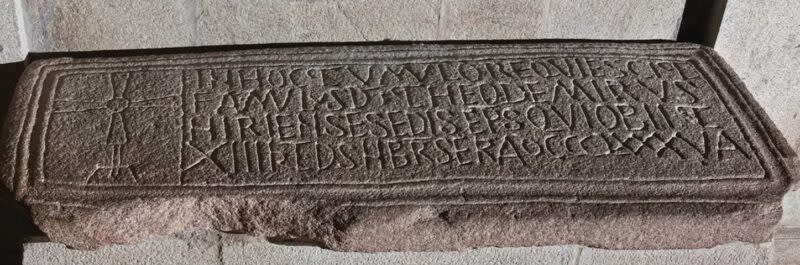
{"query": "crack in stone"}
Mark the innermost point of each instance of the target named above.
(439, 21)
(220, 257)
(49, 20)
(192, 12)
(350, 20)
(576, 259)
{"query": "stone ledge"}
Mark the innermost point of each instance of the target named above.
(202, 247)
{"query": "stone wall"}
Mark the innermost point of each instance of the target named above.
(206, 248)
(85, 25)
(761, 41)
(13, 39)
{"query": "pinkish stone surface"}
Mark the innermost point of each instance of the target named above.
(415, 147)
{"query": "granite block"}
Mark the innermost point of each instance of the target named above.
(612, 145)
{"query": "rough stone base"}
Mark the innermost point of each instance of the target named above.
(455, 227)
(201, 248)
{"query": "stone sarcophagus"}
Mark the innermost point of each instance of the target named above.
(415, 147)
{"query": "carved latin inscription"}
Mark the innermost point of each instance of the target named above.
(525, 117)
(452, 146)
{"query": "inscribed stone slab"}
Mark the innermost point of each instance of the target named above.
(615, 145)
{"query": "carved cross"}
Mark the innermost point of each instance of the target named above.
(115, 106)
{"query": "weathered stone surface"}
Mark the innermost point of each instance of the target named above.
(605, 144)
(791, 209)
(770, 68)
(163, 250)
(786, 244)
(13, 41)
(247, 22)
(205, 247)
(202, 247)
(728, 254)
(582, 19)
(85, 25)
(304, 21)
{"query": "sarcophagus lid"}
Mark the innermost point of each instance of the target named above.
(400, 147)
